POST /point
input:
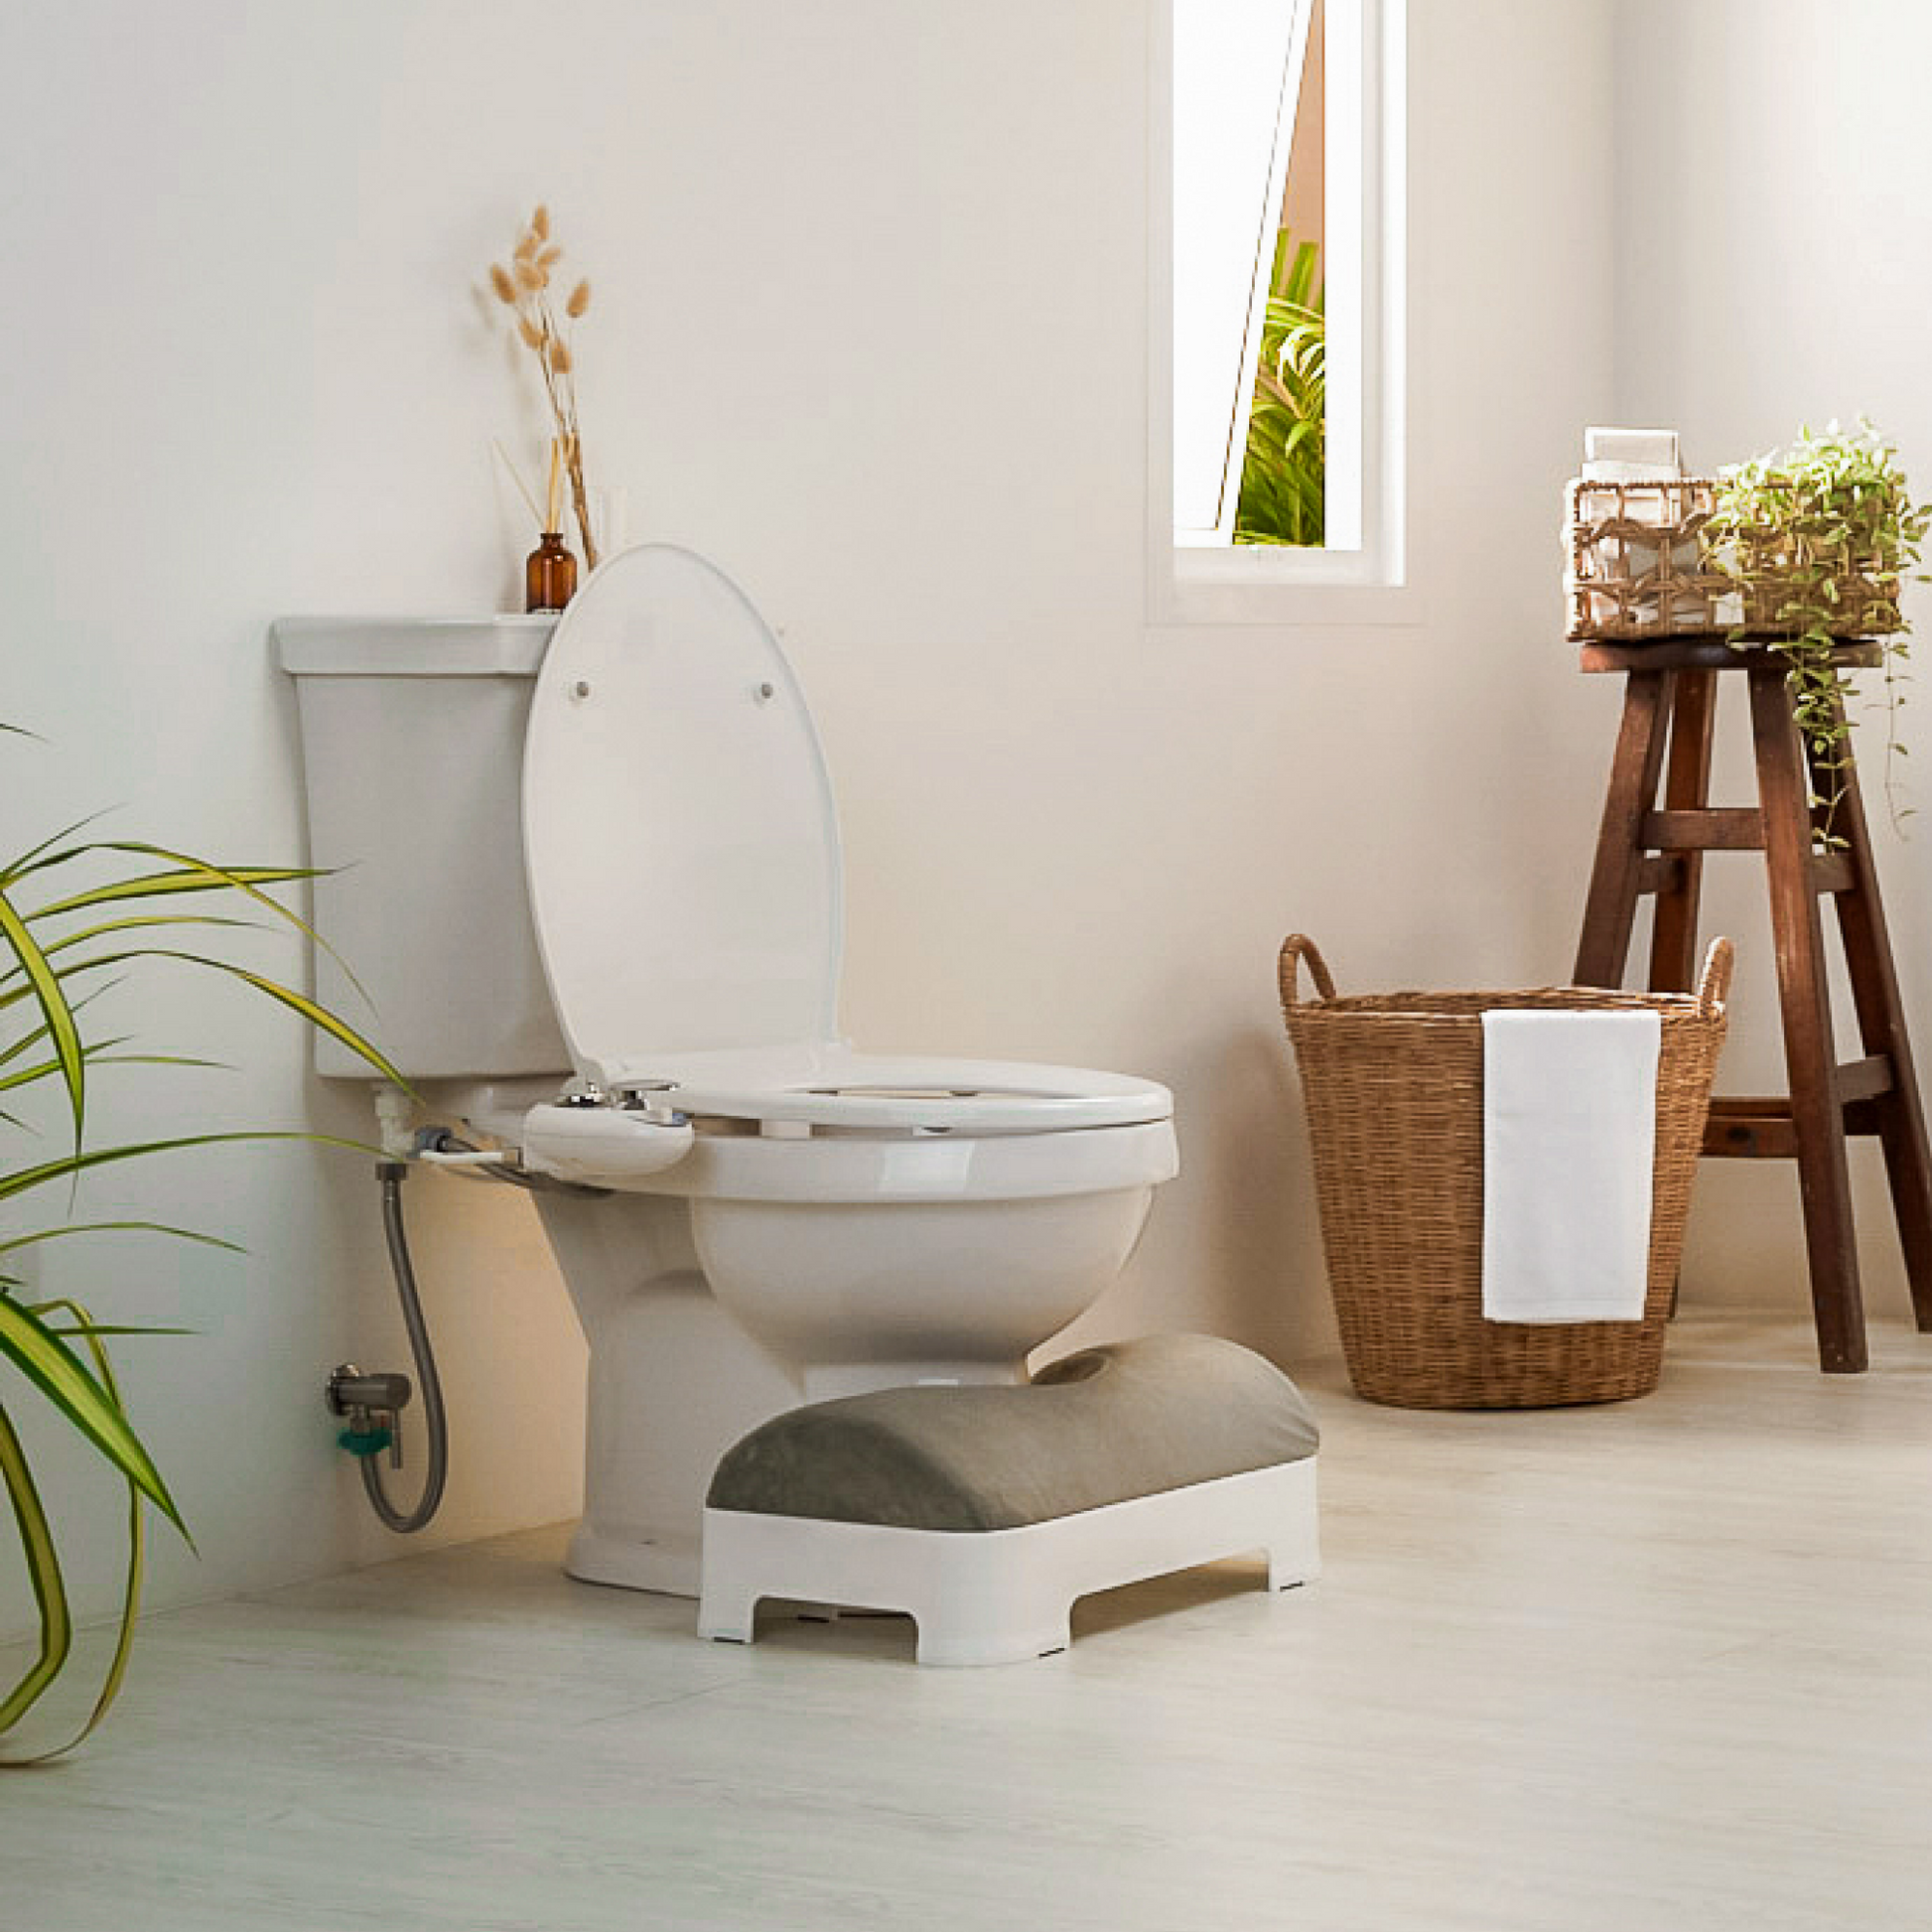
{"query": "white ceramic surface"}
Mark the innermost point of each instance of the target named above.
(793, 1219)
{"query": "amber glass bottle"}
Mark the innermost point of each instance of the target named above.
(550, 575)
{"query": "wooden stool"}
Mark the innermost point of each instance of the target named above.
(1670, 693)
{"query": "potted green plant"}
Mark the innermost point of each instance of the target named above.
(1818, 540)
(55, 946)
(1284, 471)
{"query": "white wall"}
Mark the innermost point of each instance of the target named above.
(1773, 173)
(869, 328)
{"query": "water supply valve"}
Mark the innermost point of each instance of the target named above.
(371, 1405)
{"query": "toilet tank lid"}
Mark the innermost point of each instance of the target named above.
(353, 646)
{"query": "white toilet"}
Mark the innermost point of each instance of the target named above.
(787, 1218)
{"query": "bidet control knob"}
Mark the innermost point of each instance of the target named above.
(651, 1098)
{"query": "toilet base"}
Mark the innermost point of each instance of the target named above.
(667, 1563)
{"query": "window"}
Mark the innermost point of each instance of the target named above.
(1277, 173)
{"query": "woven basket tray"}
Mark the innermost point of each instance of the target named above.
(1393, 1085)
(1637, 569)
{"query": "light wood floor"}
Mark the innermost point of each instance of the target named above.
(1665, 1667)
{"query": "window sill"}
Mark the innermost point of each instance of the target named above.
(1280, 589)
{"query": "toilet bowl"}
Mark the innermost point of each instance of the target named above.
(751, 1213)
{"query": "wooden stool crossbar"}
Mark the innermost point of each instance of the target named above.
(1648, 848)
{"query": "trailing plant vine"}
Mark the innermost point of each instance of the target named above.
(1818, 541)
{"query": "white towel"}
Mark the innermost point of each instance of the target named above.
(1568, 1134)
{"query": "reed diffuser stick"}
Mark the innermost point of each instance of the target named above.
(516, 476)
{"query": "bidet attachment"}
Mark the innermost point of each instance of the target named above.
(602, 1140)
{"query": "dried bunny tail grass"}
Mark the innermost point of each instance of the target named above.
(526, 247)
(560, 358)
(532, 335)
(528, 277)
(499, 280)
(550, 256)
(580, 300)
(540, 222)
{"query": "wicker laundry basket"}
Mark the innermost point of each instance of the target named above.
(1394, 1089)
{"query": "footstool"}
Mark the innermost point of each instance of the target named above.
(984, 1511)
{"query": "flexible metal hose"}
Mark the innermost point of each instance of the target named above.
(435, 1423)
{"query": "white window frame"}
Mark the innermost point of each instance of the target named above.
(1364, 574)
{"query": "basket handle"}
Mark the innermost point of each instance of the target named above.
(1296, 948)
(1713, 985)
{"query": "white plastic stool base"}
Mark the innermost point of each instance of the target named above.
(1001, 1597)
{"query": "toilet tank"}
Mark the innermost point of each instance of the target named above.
(412, 754)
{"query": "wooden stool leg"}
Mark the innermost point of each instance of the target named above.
(1610, 910)
(1686, 789)
(1898, 1112)
(1811, 1057)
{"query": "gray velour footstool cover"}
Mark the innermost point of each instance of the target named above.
(1105, 1426)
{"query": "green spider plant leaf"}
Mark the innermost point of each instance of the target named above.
(30, 860)
(25, 1076)
(73, 968)
(55, 1013)
(60, 1375)
(118, 1227)
(317, 1016)
(43, 1576)
(159, 885)
(202, 875)
(115, 1328)
(84, 1324)
(135, 922)
(24, 1179)
(35, 1036)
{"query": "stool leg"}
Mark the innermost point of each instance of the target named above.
(1610, 910)
(1686, 789)
(1900, 1113)
(1811, 1057)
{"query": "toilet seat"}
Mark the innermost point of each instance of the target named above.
(773, 1137)
(832, 1088)
(682, 855)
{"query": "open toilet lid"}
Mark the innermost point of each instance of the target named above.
(679, 834)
